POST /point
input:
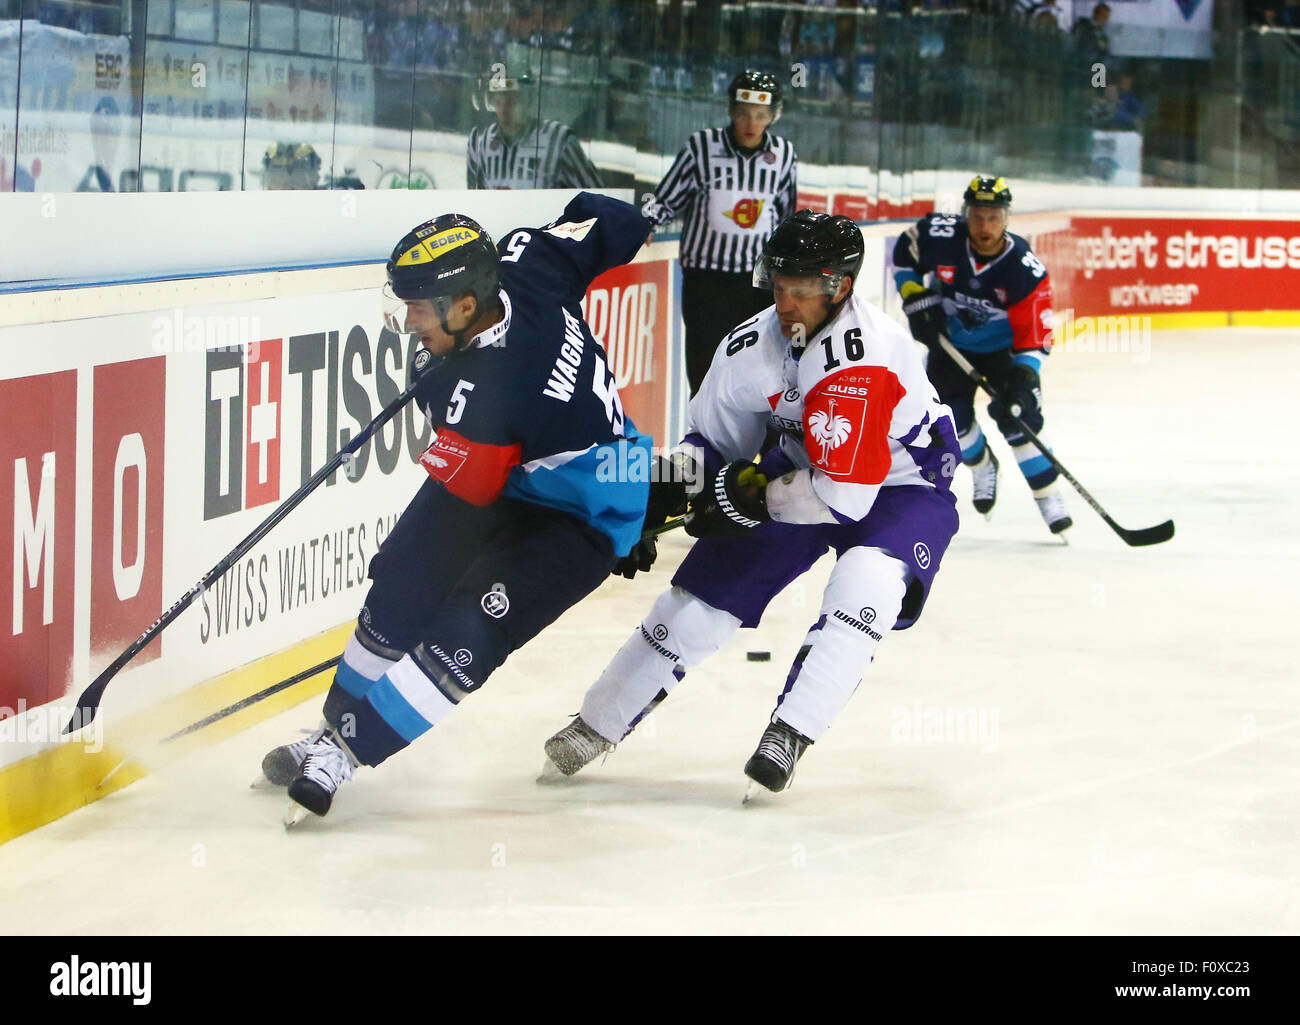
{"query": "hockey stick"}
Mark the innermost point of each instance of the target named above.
(663, 528)
(1136, 538)
(253, 699)
(330, 663)
(88, 703)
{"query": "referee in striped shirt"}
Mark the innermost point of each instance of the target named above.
(733, 185)
(520, 151)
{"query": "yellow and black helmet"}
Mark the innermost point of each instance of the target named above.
(985, 190)
(441, 259)
(291, 156)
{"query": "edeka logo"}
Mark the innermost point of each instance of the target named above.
(251, 393)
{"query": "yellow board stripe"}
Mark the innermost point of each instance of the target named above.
(1266, 318)
(52, 783)
(1190, 320)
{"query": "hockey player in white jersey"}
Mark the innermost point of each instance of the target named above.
(863, 467)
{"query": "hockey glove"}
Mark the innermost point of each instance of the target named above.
(733, 503)
(925, 315)
(1022, 391)
(638, 560)
(667, 494)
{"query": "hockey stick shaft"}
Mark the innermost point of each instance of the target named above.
(88, 703)
(665, 527)
(1137, 538)
(330, 663)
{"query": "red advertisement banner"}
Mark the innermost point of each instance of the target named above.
(628, 312)
(126, 548)
(1114, 265)
(38, 515)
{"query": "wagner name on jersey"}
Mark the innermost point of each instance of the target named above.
(546, 155)
(855, 411)
(731, 201)
(530, 410)
(996, 304)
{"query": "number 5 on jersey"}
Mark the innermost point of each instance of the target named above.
(459, 396)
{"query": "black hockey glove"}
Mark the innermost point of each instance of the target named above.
(638, 560)
(1021, 390)
(667, 498)
(925, 316)
(733, 503)
(667, 495)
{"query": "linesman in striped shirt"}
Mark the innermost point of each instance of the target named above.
(733, 185)
(520, 150)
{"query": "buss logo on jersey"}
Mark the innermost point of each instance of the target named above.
(1001, 293)
(946, 274)
(846, 418)
(745, 213)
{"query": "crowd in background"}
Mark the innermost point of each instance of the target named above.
(1273, 13)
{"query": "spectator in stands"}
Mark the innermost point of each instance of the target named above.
(1129, 110)
(1090, 34)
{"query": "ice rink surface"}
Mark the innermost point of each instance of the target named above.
(1081, 739)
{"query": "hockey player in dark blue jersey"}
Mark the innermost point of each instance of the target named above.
(524, 512)
(992, 297)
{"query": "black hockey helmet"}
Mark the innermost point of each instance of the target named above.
(808, 244)
(756, 87)
(441, 260)
(985, 190)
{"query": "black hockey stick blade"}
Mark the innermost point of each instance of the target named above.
(1147, 535)
(88, 704)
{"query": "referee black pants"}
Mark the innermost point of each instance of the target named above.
(713, 302)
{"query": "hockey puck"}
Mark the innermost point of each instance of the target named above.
(758, 656)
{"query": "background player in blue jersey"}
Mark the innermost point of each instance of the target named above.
(992, 297)
(517, 521)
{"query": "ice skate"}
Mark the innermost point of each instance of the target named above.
(985, 491)
(572, 748)
(772, 764)
(281, 764)
(1052, 507)
(327, 766)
